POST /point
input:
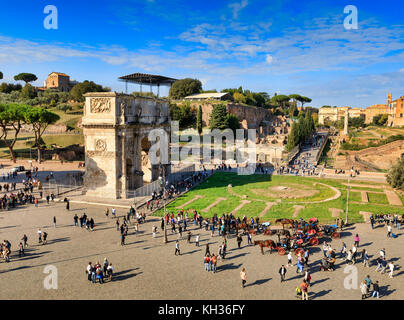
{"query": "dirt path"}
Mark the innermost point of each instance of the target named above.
(393, 198)
(190, 201)
(267, 208)
(297, 210)
(365, 197)
(335, 213)
(243, 203)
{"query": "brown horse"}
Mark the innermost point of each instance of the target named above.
(285, 221)
(265, 243)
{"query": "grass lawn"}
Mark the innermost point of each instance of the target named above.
(379, 198)
(25, 141)
(355, 196)
(245, 188)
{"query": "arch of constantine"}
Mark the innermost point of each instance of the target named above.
(116, 128)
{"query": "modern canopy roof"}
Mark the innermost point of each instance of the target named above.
(150, 79)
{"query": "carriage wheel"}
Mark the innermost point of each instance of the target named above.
(299, 250)
(313, 241)
(336, 235)
(281, 251)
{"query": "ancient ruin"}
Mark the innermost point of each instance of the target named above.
(116, 128)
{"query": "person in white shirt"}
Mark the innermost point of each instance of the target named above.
(290, 263)
(389, 231)
(197, 240)
(391, 267)
(110, 271)
(383, 253)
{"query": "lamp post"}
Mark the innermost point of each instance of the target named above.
(162, 184)
(347, 201)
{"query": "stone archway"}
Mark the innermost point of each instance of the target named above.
(116, 127)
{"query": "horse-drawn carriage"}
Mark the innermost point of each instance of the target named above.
(329, 231)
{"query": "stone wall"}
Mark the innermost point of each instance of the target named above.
(249, 117)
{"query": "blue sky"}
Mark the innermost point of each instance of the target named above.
(279, 46)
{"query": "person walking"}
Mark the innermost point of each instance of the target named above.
(197, 240)
(207, 250)
(368, 283)
(365, 258)
(356, 239)
(364, 289)
(391, 268)
(290, 263)
(282, 271)
(25, 239)
(325, 249)
(376, 290)
(243, 276)
(113, 211)
(389, 230)
(213, 262)
(177, 248)
(239, 240)
(45, 236)
(39, 235)
(54, 221)
(307, 277)
(305, 290)
(206, 261)
(20, 250)
(249, 238)
(122, 239)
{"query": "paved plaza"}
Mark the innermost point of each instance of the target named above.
(146, 268)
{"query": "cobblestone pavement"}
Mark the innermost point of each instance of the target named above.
(146, 268)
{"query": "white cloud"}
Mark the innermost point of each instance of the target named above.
(269, 59)
(237, 7)
(402, 70)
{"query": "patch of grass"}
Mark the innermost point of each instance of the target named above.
(355, 196)
(217, 186)
(379, 198)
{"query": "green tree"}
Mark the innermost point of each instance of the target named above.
(233, 122)
(1, 75)
(84, 87)
(26, 77)
(280, 100)
(395, 176)
(295, 98)
(28, 92)
(184, 87)
(11, 118)
(39, 119)
(293, 137)
(199, 120)
(184, 114)
(9, 87)
(304, 100)
(64, 107)
(218, 117)
(239, 97)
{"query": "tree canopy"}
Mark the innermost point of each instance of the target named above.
(82, 88)
(1, 75)
(219, 117)
(395, 176)
(39, 119)
(26, 77)
(184, 87)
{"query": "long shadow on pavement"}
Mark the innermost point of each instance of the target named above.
(258, 282)
(313, 295)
